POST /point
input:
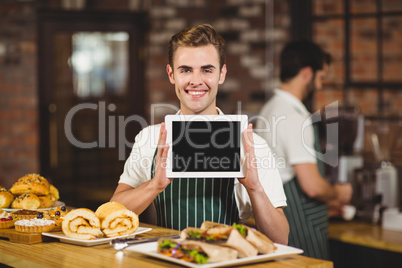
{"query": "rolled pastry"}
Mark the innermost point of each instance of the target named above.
(81, 223)
(116, 219)
(6, 198)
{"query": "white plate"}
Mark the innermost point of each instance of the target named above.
(94, 242)
(57, 204)
(149, 249)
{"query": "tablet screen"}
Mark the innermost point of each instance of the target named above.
(205, 146)
(208, 146)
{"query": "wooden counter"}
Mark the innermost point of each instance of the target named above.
(360, 244)
(52, 253)
(365, 234)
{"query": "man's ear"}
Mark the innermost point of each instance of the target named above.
(222, 75)
(307, 74)
(169, 71)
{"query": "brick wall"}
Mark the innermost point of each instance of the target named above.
(18, 92)
(252, 45)
(255, 31)
(363, 48)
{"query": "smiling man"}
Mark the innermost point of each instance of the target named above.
(196, 68)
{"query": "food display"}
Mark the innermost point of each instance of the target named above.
(34, 225)
(110, 220)
(116, 219)
(6, 220)
(31, 191)
(241, 239)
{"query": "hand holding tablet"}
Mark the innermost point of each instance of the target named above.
(205, 146)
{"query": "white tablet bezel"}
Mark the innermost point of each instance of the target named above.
(169, 119)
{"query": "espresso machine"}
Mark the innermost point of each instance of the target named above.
(381, 133)
(351, 123)
(376, 186)
(349, 144)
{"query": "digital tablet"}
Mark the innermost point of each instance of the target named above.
(205, 146)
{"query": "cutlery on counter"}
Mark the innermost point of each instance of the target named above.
(122, 243)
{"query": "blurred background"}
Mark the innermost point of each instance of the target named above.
(79, 79)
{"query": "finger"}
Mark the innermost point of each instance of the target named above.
(162, 139)
(250, 140)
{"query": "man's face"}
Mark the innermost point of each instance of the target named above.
(196, 76)
(316, 80)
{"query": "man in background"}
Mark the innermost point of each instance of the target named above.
(286, 125)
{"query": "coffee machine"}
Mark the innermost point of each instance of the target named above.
(376, 186)
(381, 134)
(349, 144)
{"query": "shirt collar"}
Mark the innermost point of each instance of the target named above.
(217, 109)
(295, 102)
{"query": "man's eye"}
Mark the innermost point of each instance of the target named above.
(185, 71)
(207, 71)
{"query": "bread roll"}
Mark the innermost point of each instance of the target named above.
(31, 183)
(47, 201)
(54, 192)
(81, 223)
(6, 198)
(26, 201)
(116, 219)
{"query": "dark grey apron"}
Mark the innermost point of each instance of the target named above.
(187, 202)
(308, 218)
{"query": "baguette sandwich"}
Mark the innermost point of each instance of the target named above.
(223, 235)
(195, 251)
(260, 241)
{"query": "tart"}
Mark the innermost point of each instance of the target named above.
(34, 225)
(6, 221)
(57, 215)
(24, 214)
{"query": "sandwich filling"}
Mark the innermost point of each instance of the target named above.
(175, 250)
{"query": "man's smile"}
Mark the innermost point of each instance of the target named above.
(196, 93)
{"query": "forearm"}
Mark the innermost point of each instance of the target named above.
(269, 220)
(323, 192)
(135, 199)
(313, 184)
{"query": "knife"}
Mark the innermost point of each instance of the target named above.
(122, 243)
